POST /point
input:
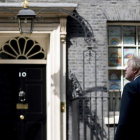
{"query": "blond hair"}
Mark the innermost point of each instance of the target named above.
(135, 62)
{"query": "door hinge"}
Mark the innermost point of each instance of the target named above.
(63, 107)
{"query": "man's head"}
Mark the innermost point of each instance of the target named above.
(133, 68)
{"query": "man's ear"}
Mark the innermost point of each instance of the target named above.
(136, 71)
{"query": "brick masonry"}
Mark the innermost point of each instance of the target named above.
(97, 13)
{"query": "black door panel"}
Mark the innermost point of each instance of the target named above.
(23, 86)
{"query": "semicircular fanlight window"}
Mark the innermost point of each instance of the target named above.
(22, 48)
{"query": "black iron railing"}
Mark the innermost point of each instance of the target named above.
(95, 116)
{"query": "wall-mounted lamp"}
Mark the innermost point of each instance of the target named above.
(26, 18)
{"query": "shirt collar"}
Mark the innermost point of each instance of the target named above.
(136, 77)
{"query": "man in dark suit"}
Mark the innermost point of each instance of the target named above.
(129, 120)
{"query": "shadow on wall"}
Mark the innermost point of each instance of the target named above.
(85, 121)
(74, 28)
(77, 122)
(97, 130)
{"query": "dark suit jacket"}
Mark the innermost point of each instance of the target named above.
(129, 121)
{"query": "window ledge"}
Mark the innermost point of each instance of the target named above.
(111, 120)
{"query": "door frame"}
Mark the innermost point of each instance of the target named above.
(55, 78)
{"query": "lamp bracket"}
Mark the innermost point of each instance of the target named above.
(2, 9)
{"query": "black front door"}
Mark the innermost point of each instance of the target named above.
(23, 102)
